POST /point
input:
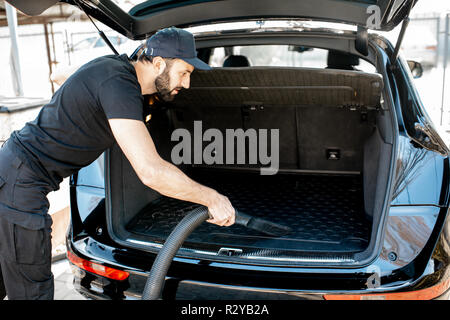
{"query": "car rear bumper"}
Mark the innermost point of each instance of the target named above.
(190, 279)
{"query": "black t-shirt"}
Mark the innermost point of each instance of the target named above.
(72, 130)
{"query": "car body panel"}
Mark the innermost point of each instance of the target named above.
(407, 231)
(419, 176)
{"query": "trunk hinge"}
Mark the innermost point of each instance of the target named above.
(401, 35)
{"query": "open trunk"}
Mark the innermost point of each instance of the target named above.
(331, 175)
(325, 212)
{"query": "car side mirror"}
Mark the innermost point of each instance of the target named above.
(416, 69)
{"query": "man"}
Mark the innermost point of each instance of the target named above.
(100, 103)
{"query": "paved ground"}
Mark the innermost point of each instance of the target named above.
(64, 289)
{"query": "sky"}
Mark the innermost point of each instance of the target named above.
(424, 6)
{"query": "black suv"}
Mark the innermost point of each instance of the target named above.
(362, 179)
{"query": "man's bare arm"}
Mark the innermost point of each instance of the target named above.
(61, 74)
(162, 176)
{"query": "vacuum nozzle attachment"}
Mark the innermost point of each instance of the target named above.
(261, 225)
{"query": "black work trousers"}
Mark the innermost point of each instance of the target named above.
(25, 232)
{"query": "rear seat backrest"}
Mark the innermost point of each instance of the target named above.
(310, 107)
(283, 86)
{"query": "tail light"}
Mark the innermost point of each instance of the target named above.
(96, 268)
(431, 47)
(423, 294)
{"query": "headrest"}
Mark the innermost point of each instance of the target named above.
(236, 61)
(341, 60)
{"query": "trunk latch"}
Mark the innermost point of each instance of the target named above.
(333, 154)
(229, 252)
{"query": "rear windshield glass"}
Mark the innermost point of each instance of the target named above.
(286, 56)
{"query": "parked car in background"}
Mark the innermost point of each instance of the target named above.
(420, 44)
(363, 179)
(94, 46)
(88, 49)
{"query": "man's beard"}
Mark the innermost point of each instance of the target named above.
(162, 83)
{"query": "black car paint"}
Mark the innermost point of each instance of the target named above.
(146, 18)
(425, 265)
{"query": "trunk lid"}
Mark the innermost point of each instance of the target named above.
(147, 17)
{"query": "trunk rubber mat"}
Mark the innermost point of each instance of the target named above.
(325, 212)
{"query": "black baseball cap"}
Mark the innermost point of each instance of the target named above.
(175, 43)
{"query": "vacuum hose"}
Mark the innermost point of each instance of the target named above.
(155, 282)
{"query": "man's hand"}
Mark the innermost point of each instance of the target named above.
(222, 212)
(162, 176)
